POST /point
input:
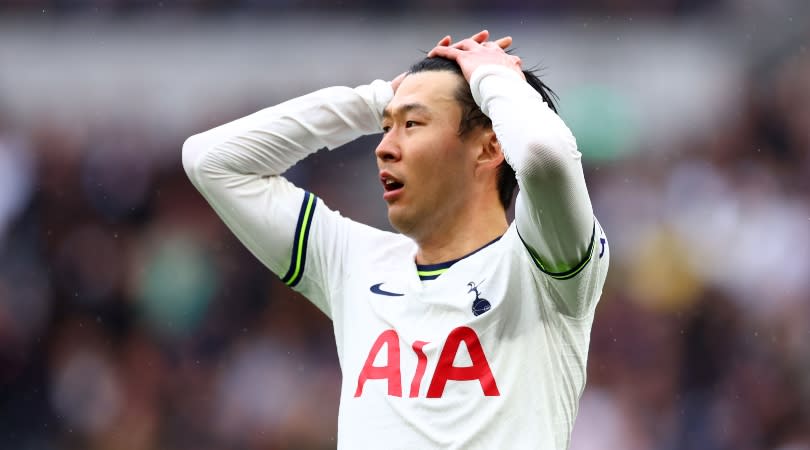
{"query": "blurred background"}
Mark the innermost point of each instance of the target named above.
(131, 319)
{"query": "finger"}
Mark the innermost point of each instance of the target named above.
(445, 41)
(477, 38)
(467, 44)
(504, 42)
(444, 52)
(481, 36)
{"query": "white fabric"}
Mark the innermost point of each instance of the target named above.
(535, 336)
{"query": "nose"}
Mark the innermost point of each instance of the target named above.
(388, 149)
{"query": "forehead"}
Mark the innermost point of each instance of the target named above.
(435, 89)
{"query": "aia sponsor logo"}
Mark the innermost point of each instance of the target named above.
(445, 371)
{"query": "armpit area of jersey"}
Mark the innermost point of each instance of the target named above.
(570, 273)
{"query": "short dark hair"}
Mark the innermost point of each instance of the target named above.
(472, 117)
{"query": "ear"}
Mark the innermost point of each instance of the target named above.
(490, 155)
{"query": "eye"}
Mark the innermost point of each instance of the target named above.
(410, 123)
(386, 129)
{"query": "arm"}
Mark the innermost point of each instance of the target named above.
(236, 167)
(553, 212)
(272, 140)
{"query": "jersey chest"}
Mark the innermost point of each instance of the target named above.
(406, 338)
(400, 300)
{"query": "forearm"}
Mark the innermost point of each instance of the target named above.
(236, 166)
(553, 211)
(272, 140)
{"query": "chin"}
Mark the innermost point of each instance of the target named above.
(394, 220)
(399, 221)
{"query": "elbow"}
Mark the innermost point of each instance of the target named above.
(193, 149)
(551, 160)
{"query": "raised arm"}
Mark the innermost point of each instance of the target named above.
(236, 167)
(553, 213)
(270, 141)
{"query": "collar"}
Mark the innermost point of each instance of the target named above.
(432, 271)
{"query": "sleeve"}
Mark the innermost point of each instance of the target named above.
(237, 168)
(553, 212)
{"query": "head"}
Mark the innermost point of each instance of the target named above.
(444, 148)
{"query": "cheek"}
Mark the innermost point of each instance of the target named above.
(440, 160)
(454, 157)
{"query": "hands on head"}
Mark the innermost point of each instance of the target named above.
(472, 53)
(480, 38)
(476, 51)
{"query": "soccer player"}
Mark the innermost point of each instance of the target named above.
(462, 331)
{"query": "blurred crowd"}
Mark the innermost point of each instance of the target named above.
(131, 318)
(701, 341)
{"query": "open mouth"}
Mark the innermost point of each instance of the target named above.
(390, 184)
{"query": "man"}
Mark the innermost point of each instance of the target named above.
(463, 331)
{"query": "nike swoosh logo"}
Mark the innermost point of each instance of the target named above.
(375, 289)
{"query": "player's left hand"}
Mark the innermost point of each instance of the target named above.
(476, 51)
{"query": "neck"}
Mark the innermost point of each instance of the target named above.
(468, 232)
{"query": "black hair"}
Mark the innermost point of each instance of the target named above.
(472, 117)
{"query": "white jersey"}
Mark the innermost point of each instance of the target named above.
(487, 351)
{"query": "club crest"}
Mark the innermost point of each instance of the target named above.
(480, 305)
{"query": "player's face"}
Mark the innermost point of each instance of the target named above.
(425, 166)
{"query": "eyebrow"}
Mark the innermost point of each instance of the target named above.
(402, 109)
